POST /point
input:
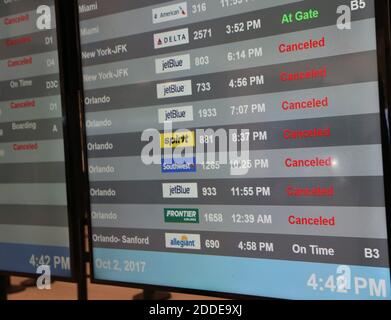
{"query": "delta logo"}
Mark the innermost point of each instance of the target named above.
(170, 13)
(180, 190)
(183, 241)
(181, 215)
(177, 139)
(171, 38)
(172, 64)
(173, 165)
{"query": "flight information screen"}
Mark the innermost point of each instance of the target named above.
(33, 196)
(234, 146)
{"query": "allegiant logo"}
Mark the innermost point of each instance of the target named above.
(183, 241)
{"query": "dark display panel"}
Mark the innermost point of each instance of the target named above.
(296, 82)
(33, 191)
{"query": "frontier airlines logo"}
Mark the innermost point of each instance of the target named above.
(181, 215)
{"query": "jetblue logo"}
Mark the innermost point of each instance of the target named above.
(174, 89)
(180, 190)
(171, 38)
(172, 165)
(173, 64)
(170, 13)
(176, 114)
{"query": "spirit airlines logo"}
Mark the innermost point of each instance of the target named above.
(180, 190)
(170, 13)
(177, 139)
(183, 241)
(173, 64)
(171, 38)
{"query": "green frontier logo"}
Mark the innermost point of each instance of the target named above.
(181, 215)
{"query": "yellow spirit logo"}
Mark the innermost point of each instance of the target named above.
(177, 139)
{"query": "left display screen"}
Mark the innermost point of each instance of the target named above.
(34, 226)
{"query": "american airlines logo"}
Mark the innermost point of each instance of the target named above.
(171, 38)
(170, 13)
(174, 89)
(173, 64)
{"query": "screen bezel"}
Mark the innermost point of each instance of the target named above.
(382, 16)
(69, 93)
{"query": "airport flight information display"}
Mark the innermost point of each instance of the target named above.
(33, 197)
(234, 146)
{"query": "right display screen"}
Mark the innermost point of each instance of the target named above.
(234, 146)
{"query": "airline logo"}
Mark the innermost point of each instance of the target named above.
(170, 13)
(172, 165)
(176, 114)
(174, 89)
(173, 64)
(177, 139)
(183, 241)
(171, 38)
(181, 215)
(180, 190)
